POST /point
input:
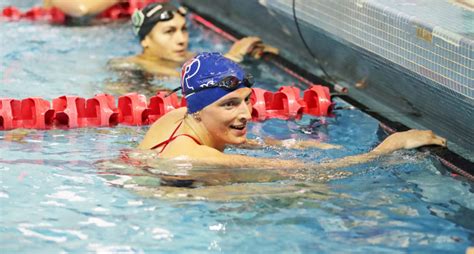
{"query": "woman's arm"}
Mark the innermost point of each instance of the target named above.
(207, 166)
(286, 143)
(400, 140)
(206, 157)
(249, 45)
(79, 8)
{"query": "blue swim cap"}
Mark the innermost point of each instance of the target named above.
(207, 69)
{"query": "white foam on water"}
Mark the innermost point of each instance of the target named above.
(214, 245)
(101, 209)
(77, 179)
(76, 233)
(102, 249)
(135, 202)
(98, 222)
(67, 195)
(162, 234)
(153, 208)
(217, 227)
(30, 233)
(53, 203)
(4, 194)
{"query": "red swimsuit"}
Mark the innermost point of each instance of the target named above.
(173, 137)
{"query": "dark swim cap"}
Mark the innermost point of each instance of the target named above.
(145, 19)
(201, 75)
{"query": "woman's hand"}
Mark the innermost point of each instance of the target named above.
(249, 45)
(408, 140)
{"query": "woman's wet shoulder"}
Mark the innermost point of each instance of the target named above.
(124, 64)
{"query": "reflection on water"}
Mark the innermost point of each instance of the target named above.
(65, 191)
(128, 82)
(81, 195)
(180, 179)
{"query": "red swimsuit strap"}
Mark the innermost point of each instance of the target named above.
(173, 137)
(189, 136)
(166, 142)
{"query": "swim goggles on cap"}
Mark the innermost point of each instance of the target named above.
(165, 15)
(155, 15)
(228, 83)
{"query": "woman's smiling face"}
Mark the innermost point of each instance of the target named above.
(226, 119)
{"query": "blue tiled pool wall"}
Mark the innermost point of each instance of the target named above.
(408, 64)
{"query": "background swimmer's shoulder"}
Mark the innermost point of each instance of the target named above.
(124, 64)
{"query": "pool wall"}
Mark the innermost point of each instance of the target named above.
(411, 62)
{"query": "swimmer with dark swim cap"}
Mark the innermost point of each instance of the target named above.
(144, 20)
(218, 110)
(163, 34)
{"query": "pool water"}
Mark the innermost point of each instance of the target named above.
(54, 198)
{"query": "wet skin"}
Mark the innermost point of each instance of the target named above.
(226, 119)
(168, 40)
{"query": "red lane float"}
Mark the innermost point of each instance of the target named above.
(11, 13)
(161, 104)
(101, 111)
(133, 109)
(70, 111)
(318, 101)
(36, 113)
(259, 99)
(10, 110)
(286, 104)
(76, 112)
(54, 15)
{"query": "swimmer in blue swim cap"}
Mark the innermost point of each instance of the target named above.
(162, 31)
(218, 111)
(217, 92)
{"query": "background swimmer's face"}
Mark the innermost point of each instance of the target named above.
(168, 39)
(226, 119)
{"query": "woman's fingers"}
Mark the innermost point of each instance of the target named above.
(437, 140)
(252, 46)
(269, 49)
(252, 39)
(409, 140)
(417, 138)
(433, 139)
(250, 43)
(261, 48)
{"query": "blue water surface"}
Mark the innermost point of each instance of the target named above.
(53, 200)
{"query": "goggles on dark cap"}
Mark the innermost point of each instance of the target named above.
(228, 83)
(144, 20)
